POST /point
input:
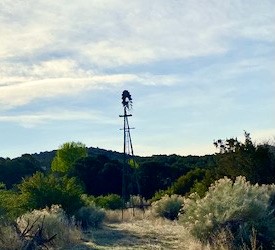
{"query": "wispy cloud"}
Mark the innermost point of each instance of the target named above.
(198, 58)
(22, 84)
(48, 116)
(112, 33)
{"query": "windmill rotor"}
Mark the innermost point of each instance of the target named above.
(127, 100)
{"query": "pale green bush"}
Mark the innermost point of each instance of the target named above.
(237, 206)
(137, 201)
(54, 221)
(90, 216)
(168, 206)
(9, 238)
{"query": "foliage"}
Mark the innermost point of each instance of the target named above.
(11, 205)
(184, 183)
(168, 206)
(238, 206)
(154, 176)
(201, 187)
(110, 201)
(160, 193)
(12, 171)
(67, 155)
(55, 222)
(255, 162)
(99, 175)
(133, 164)
(90, 216)
(40, 191)
(9, 238)
(137, 201)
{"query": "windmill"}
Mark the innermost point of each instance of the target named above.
(128, 151)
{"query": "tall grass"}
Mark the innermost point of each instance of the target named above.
(55, 222)
(9, 238)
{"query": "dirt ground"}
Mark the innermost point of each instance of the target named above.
(142, 234)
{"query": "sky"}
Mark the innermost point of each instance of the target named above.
(197, 70)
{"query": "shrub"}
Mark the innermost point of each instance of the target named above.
(54, 221)
(184, 183)
(10, 205)
(90, 216)
(9, 238)
(168, 206)
(160, 193)
(40, 191)
(137, 201)
(236, 206)
(110, 201)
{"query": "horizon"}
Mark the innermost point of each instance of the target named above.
(197, 72)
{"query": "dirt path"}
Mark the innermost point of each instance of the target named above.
(141, 234)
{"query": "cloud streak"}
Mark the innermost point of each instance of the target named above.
(48, 116)
(201, 59)
(23, 84)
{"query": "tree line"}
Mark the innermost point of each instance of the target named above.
(74, 172)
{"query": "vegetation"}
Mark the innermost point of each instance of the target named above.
(11, 204)
(236, 206)
(90, 216)
(40, 191)
(224, 200)
(67, 155)
(255, 162)
(55, 223)
(40, 229)
(12, 171)
(111, 201)
(99, 175)
(168, 206)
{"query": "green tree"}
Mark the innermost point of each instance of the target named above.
(99, 174)
(255, 162)
(10, 204)
(184, 183)
(13, 171)
(201, 187)
(154, 176)
(40, 191)
(67, 155)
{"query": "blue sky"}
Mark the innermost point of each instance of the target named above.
(197, 71)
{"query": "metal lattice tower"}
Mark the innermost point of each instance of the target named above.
(128, 146)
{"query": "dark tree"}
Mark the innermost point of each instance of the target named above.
(13, 171)
(99, 174)
(255, 162)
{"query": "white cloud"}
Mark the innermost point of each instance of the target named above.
(19, 84)
(39, 118)
(51, 49)
(112, 33)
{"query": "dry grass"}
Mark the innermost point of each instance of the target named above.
(115, 216)
(142, 231)
(54, 222)
(9, 239)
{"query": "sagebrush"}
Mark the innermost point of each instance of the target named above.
(168, 206)
(90, 216)
(237, 206)
(55, 222)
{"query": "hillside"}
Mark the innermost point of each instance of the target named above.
(45, 158)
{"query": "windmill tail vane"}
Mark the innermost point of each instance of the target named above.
(127, 101)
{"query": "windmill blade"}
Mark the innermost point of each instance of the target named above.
(127, 101)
